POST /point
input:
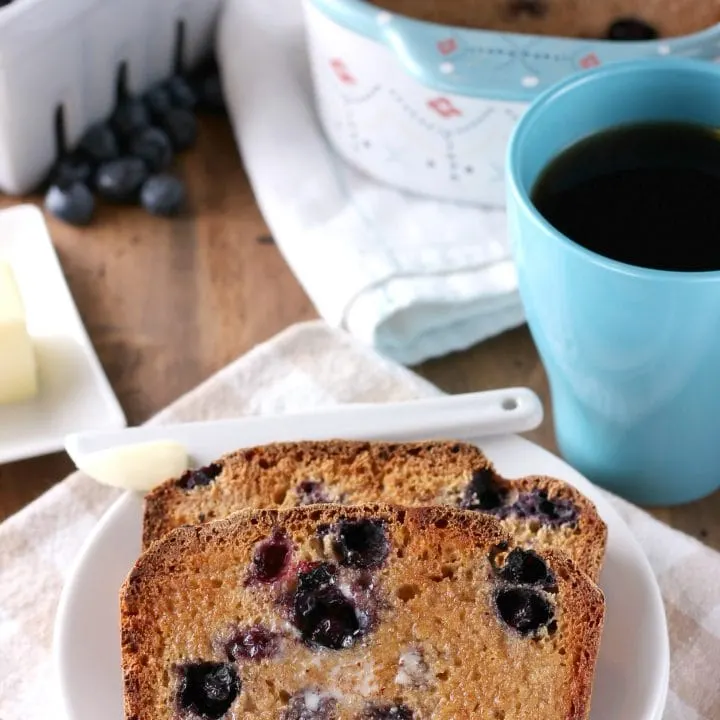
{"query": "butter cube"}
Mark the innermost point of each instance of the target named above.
(18, 370)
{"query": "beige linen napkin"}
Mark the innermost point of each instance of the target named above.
(307, 366)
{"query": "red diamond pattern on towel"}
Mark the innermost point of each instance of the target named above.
(444, 107)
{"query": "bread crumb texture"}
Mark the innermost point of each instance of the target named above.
(539, 511)
(376, 611)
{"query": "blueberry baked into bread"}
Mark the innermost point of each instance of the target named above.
(537, 511)
(610, 19)
(356, 613)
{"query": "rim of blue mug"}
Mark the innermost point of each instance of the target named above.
(568, 85)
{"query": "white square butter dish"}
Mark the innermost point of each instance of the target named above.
(74, 394)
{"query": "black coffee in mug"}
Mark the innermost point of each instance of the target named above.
(646, 195)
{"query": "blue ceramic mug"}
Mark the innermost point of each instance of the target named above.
(632, 354)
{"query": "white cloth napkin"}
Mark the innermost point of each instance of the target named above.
(412, 277)
(305, 367)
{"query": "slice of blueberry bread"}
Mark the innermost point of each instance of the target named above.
(356, 613)
(609, 19)
(536, 510)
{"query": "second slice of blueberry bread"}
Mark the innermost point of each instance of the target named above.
(538, 511)
(356, 613)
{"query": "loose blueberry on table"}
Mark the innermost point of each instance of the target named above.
(181, 94)
(153, 147)
(71, 201)
(129, 117)
(163, 195)
(99, 144)
(120, 180)
(180, 125)
(208, 88)
(158, 100)
(125, 158)
(73, 167)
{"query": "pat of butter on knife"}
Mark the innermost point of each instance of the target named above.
(18, 370)
(138, 468)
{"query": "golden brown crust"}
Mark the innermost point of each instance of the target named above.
(422, 473)
(566, 18)
(190, 582)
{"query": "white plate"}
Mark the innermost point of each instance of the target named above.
(633, 667)
(74, 393)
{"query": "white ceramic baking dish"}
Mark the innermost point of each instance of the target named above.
(59, 66)
(429, 108)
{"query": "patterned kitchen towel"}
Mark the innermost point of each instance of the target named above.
(414, 278)
(307, 366)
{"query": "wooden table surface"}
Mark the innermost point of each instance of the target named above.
(167, 303)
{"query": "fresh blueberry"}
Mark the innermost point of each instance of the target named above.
(152, 146)
(71, 168)
(310, 704)
(163, 195)
(483, 492)
(322, 614)
(208, 689)
(526, 567)
(253, 643)
(533, 8)
(210, 94)
(523, 609)
(199, 478)
(181, 127)
(271, 558)
(158, 100)
(362, 544)
(631, 29)
(121, 180)
(129, 117)
(181, 94)
(72, 202)
(99, 143)
(386, 711)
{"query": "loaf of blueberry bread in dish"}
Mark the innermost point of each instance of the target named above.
(606, 19)
(356, 613)
(537, 511)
